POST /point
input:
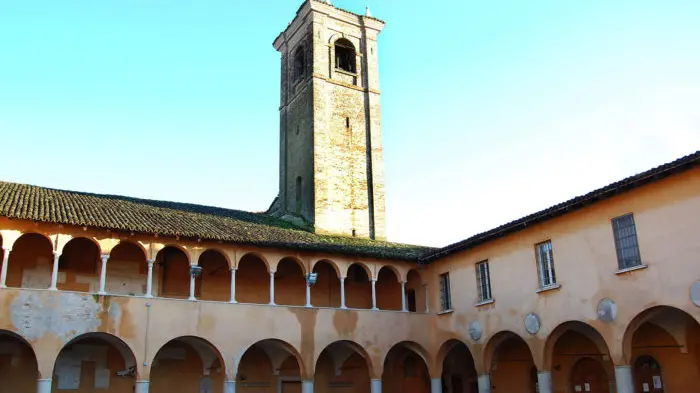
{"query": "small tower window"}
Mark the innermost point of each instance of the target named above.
(298, 63)
(345, 55)
(297, 206)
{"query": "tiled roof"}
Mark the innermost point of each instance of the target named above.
(579, 202)
(118, 213)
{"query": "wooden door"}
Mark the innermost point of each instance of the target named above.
(647, 375)
(588, 375)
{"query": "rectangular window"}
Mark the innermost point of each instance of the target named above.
(445, 301)
(483, 281)
(545, 264)
(626, 243)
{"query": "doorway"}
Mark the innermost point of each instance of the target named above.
(647, 375)
(588, 375)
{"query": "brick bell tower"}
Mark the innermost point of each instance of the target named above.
(331, 165)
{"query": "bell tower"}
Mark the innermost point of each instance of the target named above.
(331, 165)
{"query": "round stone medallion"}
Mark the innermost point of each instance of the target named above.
(532, 323)
(607, 310)
(695, 293)
(475, 330)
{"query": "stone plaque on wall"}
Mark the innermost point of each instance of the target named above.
(532, 323)
(607, 310)
(475, 330)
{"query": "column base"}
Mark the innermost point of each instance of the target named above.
(233, 301)
(141, 387)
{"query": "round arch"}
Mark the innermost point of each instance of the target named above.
(341, 351)
(494, 343)
(256, 255)
(579, 327)
(406, 366)
(33, 250)
(364, 266)
(445, 350)
(277, 351)
(455, 364)
(128, 243)
(23, 371)
(88, 238)
(393, 269)
(329, 263)
(413, 347)
(196, 359)
(177, 247)
(220, 252)
(298, 261)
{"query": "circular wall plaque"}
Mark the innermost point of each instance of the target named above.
(607, 310)
(532, 323)
(475, 330)
(695, 293)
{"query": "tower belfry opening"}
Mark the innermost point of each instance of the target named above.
(330, 127)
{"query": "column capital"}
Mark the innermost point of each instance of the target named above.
(104, 258)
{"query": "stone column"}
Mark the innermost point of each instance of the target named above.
(484, 382)
(307, 386)
(229, 386)
(149, 281)
(272, 288)
(103, 275)
(403, 296)
(375, 386)
(54, 272)
(43, 386)
(544, 381)
(623, 378)
(308, 293)
(233, 294)
(141, 387)
(374, 294)
(193, 283)
(427, 299)
(342, 292)
(3, 273)
(436, 385)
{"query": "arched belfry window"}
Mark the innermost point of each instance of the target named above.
(299, 64)
(345, 55)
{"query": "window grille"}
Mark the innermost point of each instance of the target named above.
(626, 243)
(445, 301)
(545, 264)
(483, 281)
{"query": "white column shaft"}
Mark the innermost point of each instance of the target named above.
(149, 280)
(43, 386)
(375, 386)
(3, 272)
(623, 379)
(54, 272)
(403, 296)
(308, 294)
(229, 386)
(103, 275)
(484, 382)
(141, 387)
(374, 294)
(192, 286)
(233, 295)
(272, 288)
(544, 381)
(342, 292)
(436, 385)
(307, 386)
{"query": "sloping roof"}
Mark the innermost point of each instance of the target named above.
(579, 202)
(119, 213)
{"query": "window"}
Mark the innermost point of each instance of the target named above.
(545, 264)
(445, 301)
(483, 281)
(626, 242)
(345, 55)
(298, 64)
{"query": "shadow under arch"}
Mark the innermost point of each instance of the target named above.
(23, 370)
(277, 351)
(197, 361)
(344, 360)
(579, 327)
(456, 365)
(406, 367)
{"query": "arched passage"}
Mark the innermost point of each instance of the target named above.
(187, 364)
(79, 266)
(388, 287)
(252, 280)
(358, 287)
(270, 366)
(31, 262)
(580, 358)
(95, 362)
(127, 270)
(290, 284)
(458, 369)
(215, 281)
(406, 369)
(663, 345)
(415, 293)
(18, 365)
(174, 273)
(343, 366)
(326, 292)
(511, 363)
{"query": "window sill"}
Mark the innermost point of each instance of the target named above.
(548, 288)
(342, 71)
(631, 269)
(443, 312)
(484, 302)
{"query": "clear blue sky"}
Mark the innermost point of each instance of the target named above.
(491, 110)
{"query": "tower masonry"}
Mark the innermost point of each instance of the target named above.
(331, 165)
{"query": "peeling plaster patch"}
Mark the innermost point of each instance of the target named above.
(65, 315)
(115, 315)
